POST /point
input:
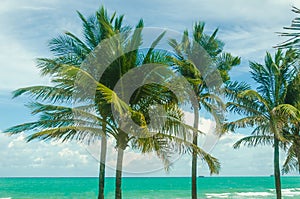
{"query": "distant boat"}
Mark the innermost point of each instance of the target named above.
(271, 175)
(200, 176)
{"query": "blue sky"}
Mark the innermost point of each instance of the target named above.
(247, 28)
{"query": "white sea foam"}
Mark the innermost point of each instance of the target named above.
(291, 192)
(254, 194)
(217, 195)
(5, 198)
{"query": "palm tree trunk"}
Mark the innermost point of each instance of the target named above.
(194, 155)
(118, 193)
(297, 144)
(276, 168)
(298, 158)
(102, 168)
(102, 164)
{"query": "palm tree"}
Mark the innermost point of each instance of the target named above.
(70, 49)
(202, 62)
(265, 109)
(292, 161)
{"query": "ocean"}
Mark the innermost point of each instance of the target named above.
(147, 188)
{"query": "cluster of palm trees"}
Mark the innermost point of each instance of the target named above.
(83, 104)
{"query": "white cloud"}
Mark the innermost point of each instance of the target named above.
(35, 8)
(22, 43)
(244, 161)
(234, 162)
(17, 64)
(18, 158)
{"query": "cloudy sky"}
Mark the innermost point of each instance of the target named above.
(247, 28)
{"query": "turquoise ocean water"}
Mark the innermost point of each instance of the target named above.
(147, 188)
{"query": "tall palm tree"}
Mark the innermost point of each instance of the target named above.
(292, 161)
(195, 59)
(71, 49)
(265, 109)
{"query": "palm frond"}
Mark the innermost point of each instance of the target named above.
(67, 133)
(291, 162)
(182, 146)
(46, 93)
(244, 122)
(254, 140)
(288, 112)
(232, 89)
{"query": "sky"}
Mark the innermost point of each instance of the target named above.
(246, 27)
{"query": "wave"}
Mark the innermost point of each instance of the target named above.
(217, 195)
(254, 194)
(290, 192)
(240, 195)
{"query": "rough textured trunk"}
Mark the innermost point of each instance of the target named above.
(277, 169)
(102, 168)
(298, 159)
(118, 193)
(194, 155)
(298, 164)
(297, 148)
(102, 164)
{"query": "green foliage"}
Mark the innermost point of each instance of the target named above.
(292, 161)
(266, 106)
(292, 32)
